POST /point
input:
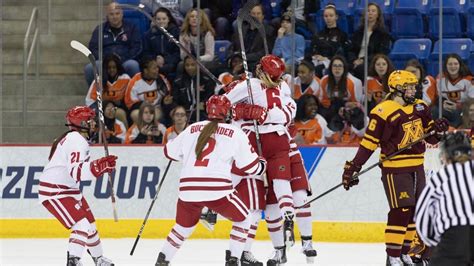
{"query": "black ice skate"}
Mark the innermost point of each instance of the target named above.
(249, 260)
(73, 260)
(406, 260)
(278, 258)
(161, 261)
(308, 250)
(288, 230)
(208, 218)
(102, 261)
(232, 261)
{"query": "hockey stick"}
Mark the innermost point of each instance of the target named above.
(243, 13)
(149, 209)
(372, 166)
(140, 7)
(84, 50)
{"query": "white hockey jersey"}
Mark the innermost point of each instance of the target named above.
(281, 108)
(67, 167)
(209, 178)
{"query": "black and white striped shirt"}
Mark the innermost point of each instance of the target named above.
(446, 201)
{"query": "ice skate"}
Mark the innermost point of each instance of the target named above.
(208, 218)
(288, 230)
(73, 260)
(394, 261)
(161, 261)
(248, 259)
(103, 261)
(407, 261)
(232, 261)
(308, 250)
(278, 257)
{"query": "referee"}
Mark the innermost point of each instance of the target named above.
(444, 212)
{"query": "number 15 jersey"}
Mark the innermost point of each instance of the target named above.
(208, 177)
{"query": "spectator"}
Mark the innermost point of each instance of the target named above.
(253, 41)
(455, 87)
(180, 122)
(348, 125)
(218, 12)
(158, 45)
(120, 37)
(284, 43)
(266, 8)
(176, 7)
(468, 114)
(379, 40)
(312, 127)
(114, 84)
(426, 89)
(380, 69)
(147, 86)
(114, 128)
(186, 87)
(327, 43)
(144, 131)
(304, 23)
(189, 39)
(337, 88)
(306, 82)
(235, 69)
(158, 116)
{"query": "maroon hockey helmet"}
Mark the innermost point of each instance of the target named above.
(79, 117)
(273, 66)
(217, 107)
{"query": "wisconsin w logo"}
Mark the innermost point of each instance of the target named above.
(413, 131)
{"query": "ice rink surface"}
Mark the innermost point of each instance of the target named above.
(194, 252)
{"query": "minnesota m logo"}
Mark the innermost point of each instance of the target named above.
(404, 195)
(413, 131)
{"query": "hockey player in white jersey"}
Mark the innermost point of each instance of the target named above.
(59, 185)
(208, 150)
(274, 110)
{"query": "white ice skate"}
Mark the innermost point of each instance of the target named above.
(103, 261)
(308, 251)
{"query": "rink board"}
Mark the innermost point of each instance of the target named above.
(357, 215)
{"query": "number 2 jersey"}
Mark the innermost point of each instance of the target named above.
(392, 127)
(208, 177)
(68, 166)
(281, 108)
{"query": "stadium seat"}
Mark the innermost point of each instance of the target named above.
(471, 59)
(221, 49)
(470, 22)
(347, 6)
(140, 20)
(130, 2)
(407, 23)
(459, 5)
(451, 23)
(462, 47)
(421, 5)
(406, 49)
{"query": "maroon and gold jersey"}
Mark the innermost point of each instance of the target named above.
(392, 127)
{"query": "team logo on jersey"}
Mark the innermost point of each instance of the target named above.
(404, 195)
(282, 168)
(419, 107)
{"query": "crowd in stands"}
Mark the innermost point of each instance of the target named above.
(151, 89)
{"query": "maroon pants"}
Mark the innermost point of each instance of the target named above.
(69, 211)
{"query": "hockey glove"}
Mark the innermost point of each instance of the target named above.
(246, 111)
(103, 165)
(441, 125)
(347, 177)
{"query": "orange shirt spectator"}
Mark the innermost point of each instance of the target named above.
(178, 115)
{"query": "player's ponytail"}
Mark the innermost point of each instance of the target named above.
(203, 138)
(55, 144)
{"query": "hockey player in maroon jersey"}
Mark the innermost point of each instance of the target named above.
(59, 185)
(208, 150)
(394, 123)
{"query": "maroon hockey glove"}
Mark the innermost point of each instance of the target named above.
(103, 165)
(349, 170)
(441, 125)
(246, 111)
